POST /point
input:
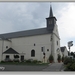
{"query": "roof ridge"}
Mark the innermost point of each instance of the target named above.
(22, 31)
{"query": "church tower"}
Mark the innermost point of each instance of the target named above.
(53, 30)
(51, 20)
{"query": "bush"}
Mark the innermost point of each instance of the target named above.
(16, 60)
(62, 58)
(39, 61)
(29, 61)
(34, 61)
(51, 59)
(70, 67)
(70, 64)
(73, 67)
(59, 58)
(8, 60)
(68, 60)
(2, 61)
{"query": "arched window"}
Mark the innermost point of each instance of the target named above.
(32, 53)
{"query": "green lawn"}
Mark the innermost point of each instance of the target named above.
(22, 63)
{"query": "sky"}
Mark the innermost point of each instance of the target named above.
(19, 16)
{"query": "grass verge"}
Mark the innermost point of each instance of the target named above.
(22, 63)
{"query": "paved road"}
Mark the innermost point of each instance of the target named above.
(23, 67)
(54, 67)
(50, 67)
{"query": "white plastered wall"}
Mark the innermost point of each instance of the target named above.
(55, 46)
(26, 44)
(65, 52)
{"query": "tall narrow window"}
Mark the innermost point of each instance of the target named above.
(42, 49)
(57, 42)
(32, 53)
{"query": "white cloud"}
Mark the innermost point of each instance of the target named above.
(24, 16)
(67, 21)
(66, 24)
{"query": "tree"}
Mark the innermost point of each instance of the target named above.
(72, 53)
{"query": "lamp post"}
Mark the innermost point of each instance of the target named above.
(70, 43)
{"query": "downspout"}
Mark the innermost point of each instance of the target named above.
(51, 43)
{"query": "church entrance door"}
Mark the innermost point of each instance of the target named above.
(22, 57)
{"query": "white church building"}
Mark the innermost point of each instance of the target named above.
(32, 44)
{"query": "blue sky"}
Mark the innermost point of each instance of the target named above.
(19, 16)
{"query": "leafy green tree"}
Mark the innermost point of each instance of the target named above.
(72, 53)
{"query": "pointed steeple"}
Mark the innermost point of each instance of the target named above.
(51, 20)
(51, 12)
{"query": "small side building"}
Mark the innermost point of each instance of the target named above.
(64, 51)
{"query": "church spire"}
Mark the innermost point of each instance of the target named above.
(51, 12)
(51, 20)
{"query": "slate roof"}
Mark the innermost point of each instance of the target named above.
(26, 33)
(10, 51)
(62, 49)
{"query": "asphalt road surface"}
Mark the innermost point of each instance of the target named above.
(44, 68)
(22, 67)
(55, 67)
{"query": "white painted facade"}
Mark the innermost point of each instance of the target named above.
(24, 45)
